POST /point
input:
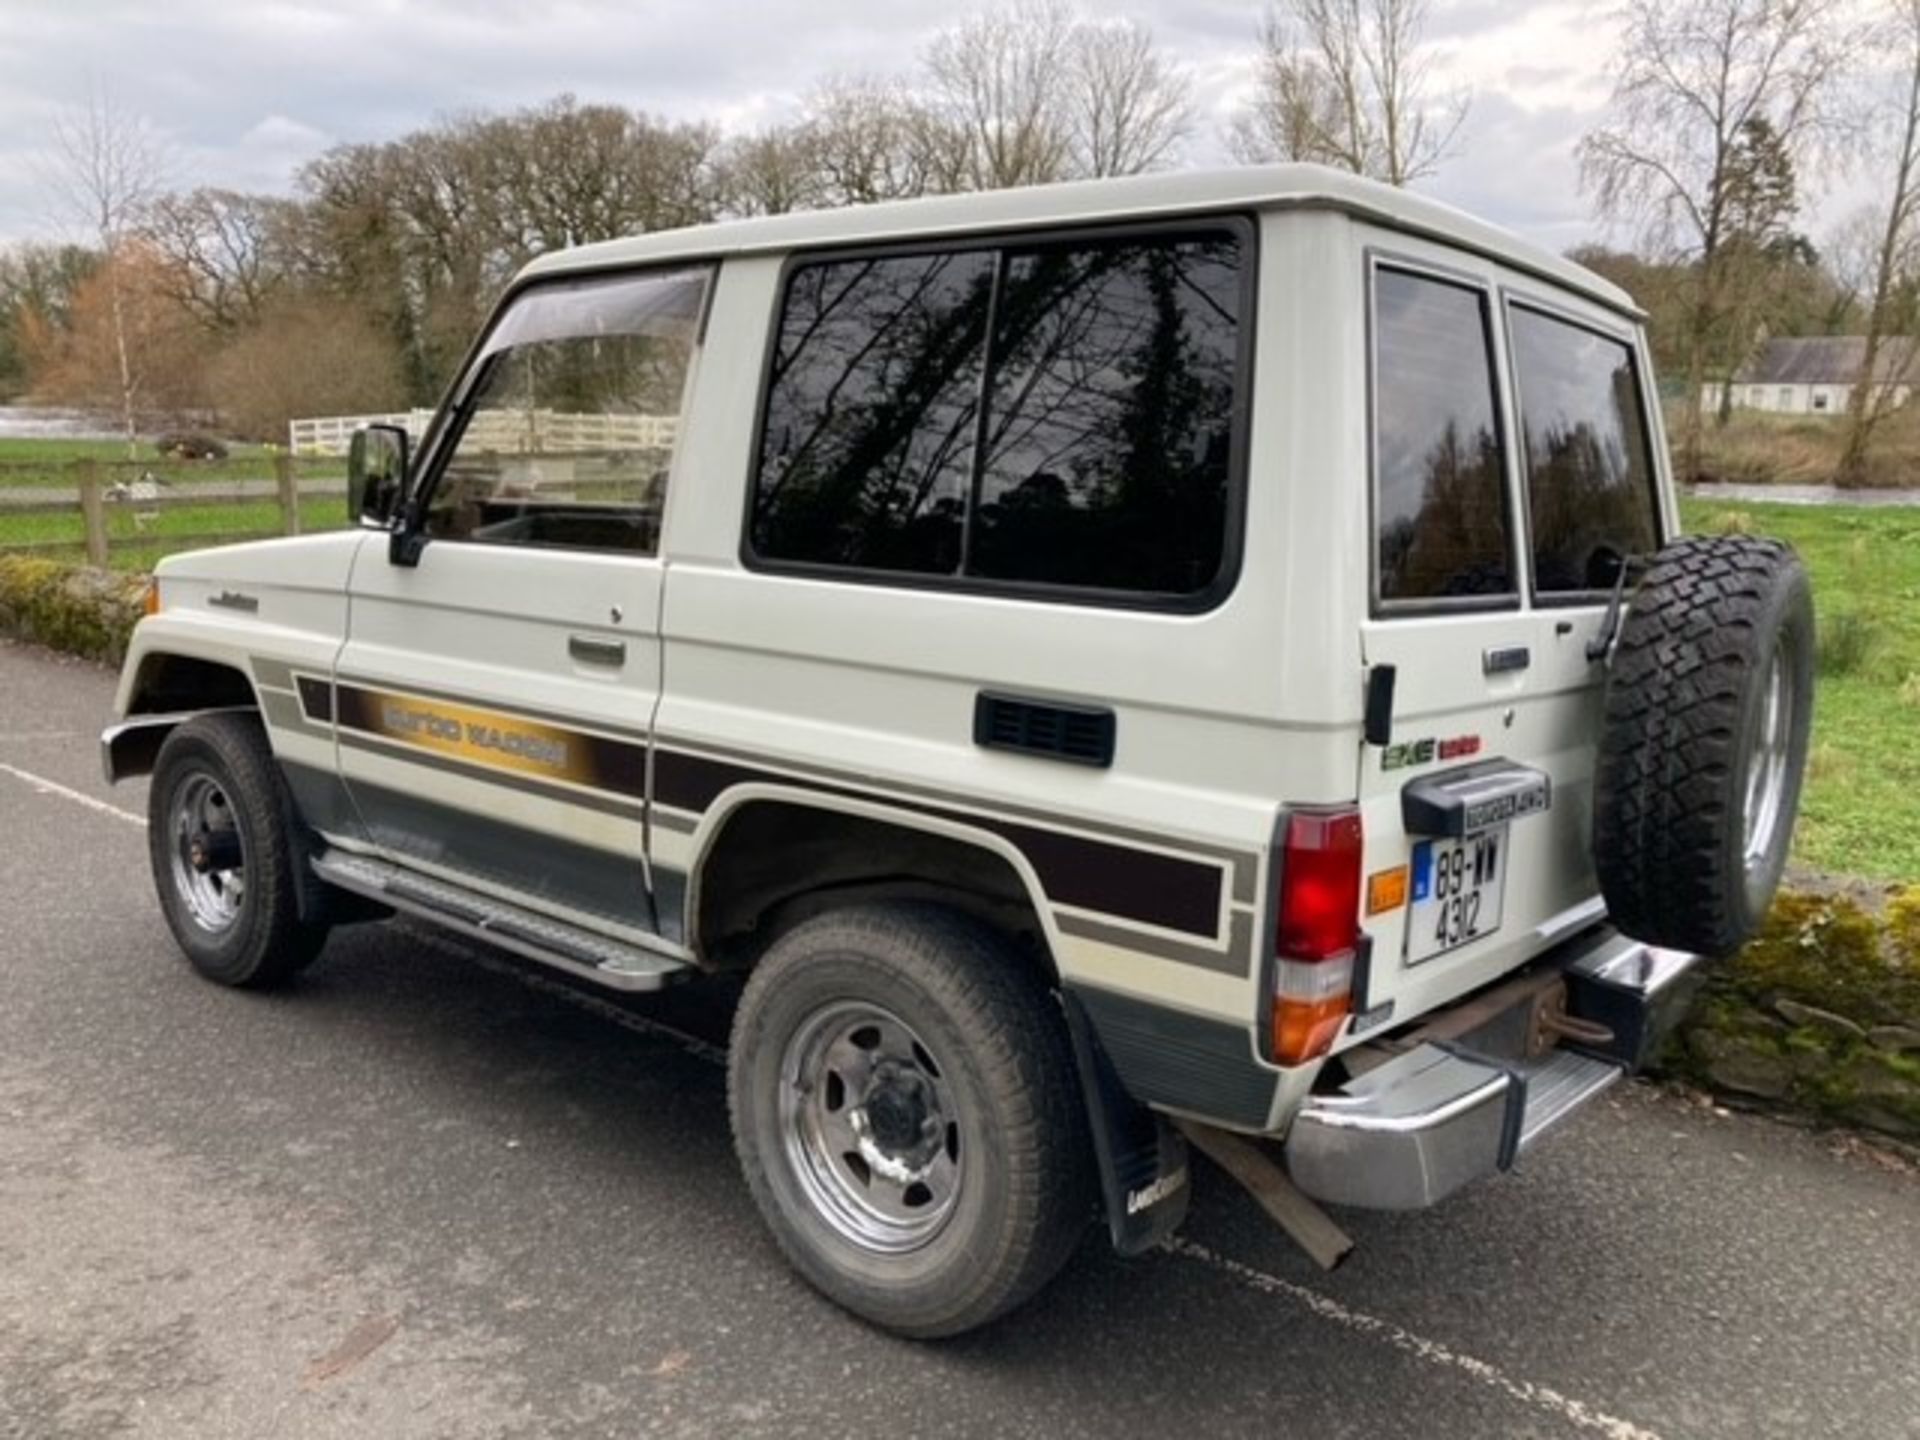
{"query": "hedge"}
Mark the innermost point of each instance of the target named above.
(77, 609)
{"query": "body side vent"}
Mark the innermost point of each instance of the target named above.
(1079, 734)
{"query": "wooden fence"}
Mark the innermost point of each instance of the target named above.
(114, 505)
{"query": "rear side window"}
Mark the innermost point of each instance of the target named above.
(1440, 513)
(1589, 470)
(1109, 374)
(1111, 417)
(871, 413)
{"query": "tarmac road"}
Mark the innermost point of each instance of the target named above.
(431, 1192)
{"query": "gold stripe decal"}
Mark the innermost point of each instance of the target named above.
(495, 741)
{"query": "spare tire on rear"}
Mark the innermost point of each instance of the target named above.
(1708, 702)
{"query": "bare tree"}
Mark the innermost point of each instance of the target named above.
(1349, 83)
(1034, 91)
(771, 172)
(1696, 81)
(996, 78)
(225, 248)
(869, 137)
(1894, 256)
(304, 356)
(109, 166)
(1129, 108)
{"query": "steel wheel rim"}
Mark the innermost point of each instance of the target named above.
(870, 1128)
(1767, 764)
(213, 895)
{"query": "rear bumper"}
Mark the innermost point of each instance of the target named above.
(1418, 1127)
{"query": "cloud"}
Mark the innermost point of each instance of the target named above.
(1517, 165)
(245, 94)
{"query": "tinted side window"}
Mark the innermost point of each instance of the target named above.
(871, 413)
(1589, 475)
(1110, 417)
(1439, 506)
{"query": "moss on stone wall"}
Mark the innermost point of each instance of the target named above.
(1821, 1013)
(72, 608)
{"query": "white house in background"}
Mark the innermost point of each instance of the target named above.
(1815, 374)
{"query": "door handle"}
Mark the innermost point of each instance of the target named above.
(589, 650)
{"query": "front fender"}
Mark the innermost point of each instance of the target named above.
(129, 748)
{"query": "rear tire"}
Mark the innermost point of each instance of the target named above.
(222, 838)
(906, 1111)
(1708, 706)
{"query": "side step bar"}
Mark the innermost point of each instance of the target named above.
(590, 956)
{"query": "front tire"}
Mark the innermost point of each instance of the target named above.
(221, 838)
(907, 1114)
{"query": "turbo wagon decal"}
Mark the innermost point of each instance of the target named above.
(494, 740)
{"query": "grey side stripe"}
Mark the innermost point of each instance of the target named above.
(1234, 960)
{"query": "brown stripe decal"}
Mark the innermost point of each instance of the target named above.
(494, 740)
(316, 698)
(1122, 881)
(1140, 885)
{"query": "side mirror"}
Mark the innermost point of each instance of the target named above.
(376, 473)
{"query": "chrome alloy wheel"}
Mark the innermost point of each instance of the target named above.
(209, 859)
(1767, 765)
(870, 1128)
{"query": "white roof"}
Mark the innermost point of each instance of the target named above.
(1185, 192)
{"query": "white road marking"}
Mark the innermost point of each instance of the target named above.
(1575, 1412)
(1541, 1397)
(50, 787)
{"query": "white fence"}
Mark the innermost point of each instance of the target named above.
(331, 434)
(519, 432)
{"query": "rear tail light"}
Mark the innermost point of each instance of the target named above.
(1317, 932)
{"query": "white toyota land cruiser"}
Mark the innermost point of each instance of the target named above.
(1114, 664)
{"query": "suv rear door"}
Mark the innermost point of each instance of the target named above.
(1512, 459)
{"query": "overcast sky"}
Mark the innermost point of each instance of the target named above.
(244, 91)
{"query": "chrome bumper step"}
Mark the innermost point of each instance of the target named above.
(1559, 1085)
(591, 956)
(1417, 1127)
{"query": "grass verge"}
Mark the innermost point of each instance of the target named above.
(1860, 811)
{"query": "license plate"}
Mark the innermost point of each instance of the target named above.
(1456, 894)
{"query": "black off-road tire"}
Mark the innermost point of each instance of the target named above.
(1685, 708)
(267, 941)
(1026, 1191)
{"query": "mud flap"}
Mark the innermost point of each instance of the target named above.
(1145, 1179)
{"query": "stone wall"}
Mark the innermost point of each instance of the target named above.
(1820, 1015)
(74, 608)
